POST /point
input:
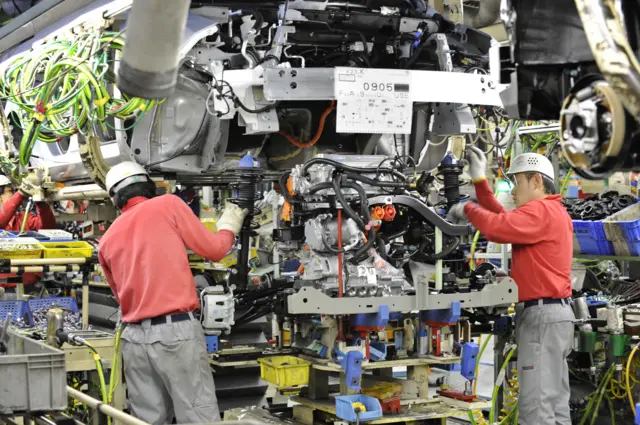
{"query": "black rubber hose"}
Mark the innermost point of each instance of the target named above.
(371, 238)
(372, 182)
(344, 167)
(320, 186)
(445, 251)
(381, 247)
(345, 205)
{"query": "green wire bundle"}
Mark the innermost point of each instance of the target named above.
(61, 89)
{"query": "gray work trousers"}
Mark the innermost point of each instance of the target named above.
(168, 373)
(544, 334)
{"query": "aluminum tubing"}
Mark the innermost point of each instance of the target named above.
(104, 408)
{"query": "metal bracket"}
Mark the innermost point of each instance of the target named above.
(312, 301)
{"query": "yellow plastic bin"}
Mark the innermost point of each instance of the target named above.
(284, 371)
(20, 249)
(78, 249)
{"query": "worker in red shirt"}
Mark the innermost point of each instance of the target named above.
(144, 259)
(11, 200)
(541, 234)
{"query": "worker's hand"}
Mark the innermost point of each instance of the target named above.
(30, 185)
(232, 218)
(456, 214)
(477, 163)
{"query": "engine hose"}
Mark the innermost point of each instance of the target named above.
(251, 296)
(381, 247)
(320, 186)
(340, 166)
(396, 235)
(345, 205)
(372, 182)
(371, 238)
(445, 251)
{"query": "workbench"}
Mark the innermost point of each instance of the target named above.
(307, 411)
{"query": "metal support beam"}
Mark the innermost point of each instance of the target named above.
(312, 301)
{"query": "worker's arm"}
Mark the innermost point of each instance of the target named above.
(106, 270)
(199, 239)
(486, 198)
(522, 226)
(44, 220)
(9, 209)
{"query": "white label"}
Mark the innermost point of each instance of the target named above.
(372, 277)
(373, 100)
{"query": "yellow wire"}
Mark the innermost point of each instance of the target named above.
(629, 394)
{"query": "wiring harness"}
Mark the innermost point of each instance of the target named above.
(67, 87)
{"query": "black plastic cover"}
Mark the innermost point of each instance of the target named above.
(549, 32)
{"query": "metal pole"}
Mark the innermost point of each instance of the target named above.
(46, 261)
(438, 249)
(104, 408)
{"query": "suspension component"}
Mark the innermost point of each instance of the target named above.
(247, 193)
(449, 172)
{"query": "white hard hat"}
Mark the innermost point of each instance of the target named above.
(532, 163)
(125, 171)
(4, 181)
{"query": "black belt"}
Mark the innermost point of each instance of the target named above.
(545, 301)
(171, 318)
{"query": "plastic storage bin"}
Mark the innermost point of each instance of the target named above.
(56, 235)
(77, 249)
(18, 309)
(34, 378)
(67, 303)
(345, 410)
(591, 238)
(284, 371)
(20, 248)
(623, 231)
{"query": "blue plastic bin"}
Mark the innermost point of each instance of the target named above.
(18, 309)
(344, 408)
(623, 230)
(68, 303)
(592, 238)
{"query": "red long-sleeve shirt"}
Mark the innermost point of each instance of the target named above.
(12, 221)
(144, 259)
(541, 234)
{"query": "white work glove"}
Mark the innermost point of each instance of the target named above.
(477, 163)
(30, 185)
(232, 218)
(456, 214)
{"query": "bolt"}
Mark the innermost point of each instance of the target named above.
(491, 84)
(265, 117)
(294, 73)
(482, 79)
(294, 85)
(281, 73)
(483, 91)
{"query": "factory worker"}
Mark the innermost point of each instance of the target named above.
(541, 234)
(10, 201)
(144, 259)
